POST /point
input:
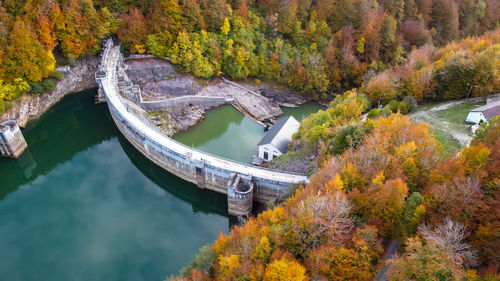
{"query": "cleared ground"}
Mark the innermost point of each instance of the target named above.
(447, 120)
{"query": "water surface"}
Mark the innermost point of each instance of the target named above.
(227, 132)
(83, 204)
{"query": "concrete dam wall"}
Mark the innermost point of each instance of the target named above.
(241, 182)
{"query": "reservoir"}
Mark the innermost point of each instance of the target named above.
(82, 204)
(228, 133)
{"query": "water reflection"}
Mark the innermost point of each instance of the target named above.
(84, 205)
(228, 133)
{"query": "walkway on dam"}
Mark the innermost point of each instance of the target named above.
(110, 59)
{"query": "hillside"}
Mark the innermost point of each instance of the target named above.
(396, 184)
(318, 47)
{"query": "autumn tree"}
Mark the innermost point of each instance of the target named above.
(319, 219)
(25, 56)
(46, 32)
(73, 29)
(285, 270)
(442, 255)
(191, 12)
(423, 261)
(133, 31)
(339, 263)
(165, 19)
(214, 12)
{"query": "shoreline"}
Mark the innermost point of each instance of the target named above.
(76, 79)
(81, 77)
(175, 102)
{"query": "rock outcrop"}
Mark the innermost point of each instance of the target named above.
(159, 82)
(76, 79)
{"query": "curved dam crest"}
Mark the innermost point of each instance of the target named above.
(241, 182)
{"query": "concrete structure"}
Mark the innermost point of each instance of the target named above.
(134, 93)
(239, 194)
(12, 143)
(184, 101)
(203, 169)
(484, 113)
(275, 142)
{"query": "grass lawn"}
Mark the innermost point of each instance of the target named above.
(447, 120)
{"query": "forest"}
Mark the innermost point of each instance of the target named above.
(320, 47)
(391, 181)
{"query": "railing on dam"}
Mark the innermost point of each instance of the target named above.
(204, 169)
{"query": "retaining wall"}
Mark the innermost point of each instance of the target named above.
(183, 101)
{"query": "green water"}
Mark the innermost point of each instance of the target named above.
(228, 133)
(301, 112)
(82, 204)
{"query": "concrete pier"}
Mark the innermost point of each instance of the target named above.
(12, 143)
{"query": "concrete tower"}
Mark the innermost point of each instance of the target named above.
(12, 143)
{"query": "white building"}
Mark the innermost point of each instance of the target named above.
(483, 113)
(275, 142)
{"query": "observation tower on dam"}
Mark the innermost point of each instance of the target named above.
(242, 183)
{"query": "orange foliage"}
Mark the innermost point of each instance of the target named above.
(338, 264)
(133, 31)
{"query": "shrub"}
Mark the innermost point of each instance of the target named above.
(376, 113)
(71, 60)
(8, 105)
(58, 75)
(37, 88)
(2, 106)
(411, 101)
(393, 106)
(380, 88)
(48, 85)
(403, 108)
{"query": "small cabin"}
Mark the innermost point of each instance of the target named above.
(484, 113)
(275, 142)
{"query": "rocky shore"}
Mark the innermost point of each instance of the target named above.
(76, 79)
(158, 81)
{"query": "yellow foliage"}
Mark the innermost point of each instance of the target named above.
(285, 270)
(406, 150)
(9, 91)
(379, 179)
(140, 48)
(220, 243)
(228, 267)
(335, 184)
(226, 27)
(263, 250)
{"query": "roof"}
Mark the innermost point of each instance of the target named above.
(281, 133)
(490, 110)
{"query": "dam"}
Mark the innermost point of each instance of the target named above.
(242, 183)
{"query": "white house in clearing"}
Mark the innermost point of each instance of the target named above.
(275, 142)
(484, 113)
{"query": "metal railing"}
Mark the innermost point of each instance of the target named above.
(105, 63)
